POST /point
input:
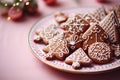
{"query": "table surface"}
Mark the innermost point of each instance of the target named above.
(16, 59)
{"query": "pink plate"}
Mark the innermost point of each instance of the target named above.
(60, 65)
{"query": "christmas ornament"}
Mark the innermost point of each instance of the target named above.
(15, 13)
(102, 1)
(3, 10)
(16, 8)
(50, 2)
(4, 6)
(31, 6)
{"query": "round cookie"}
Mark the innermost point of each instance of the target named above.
(100, 52)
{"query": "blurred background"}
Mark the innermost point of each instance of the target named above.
(45, 7)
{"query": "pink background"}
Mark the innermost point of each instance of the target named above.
(16, 59)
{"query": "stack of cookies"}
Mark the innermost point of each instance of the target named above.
(86, 39)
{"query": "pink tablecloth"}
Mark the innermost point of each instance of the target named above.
(16, 59)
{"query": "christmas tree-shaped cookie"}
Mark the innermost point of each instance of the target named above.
(94, 34)
(116, 49)
(78, 58)
(99, 13)
(57, 48)
(110, 24)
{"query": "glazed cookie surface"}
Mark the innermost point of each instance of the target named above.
(100, 52)
(57, 48)
(45, 34)
(78, 58)
(75, 24)
(110, 24)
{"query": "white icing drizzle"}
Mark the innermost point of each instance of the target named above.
(87, 18)
(60, 18)
(37, 37)
(72, 43)
(74, 39)
(117, 50)
(96, 30)
(75, 65)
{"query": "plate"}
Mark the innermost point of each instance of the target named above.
(60, 65)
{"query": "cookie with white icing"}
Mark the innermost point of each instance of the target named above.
(99, 13)
(115, 8)
(75, 24)
(37, 39)
(94, 34)
(100, 52)
(116, 48)
(52, 42)
(57, 48)
(110, 24)
(60, 17)
(90, 19)
(74, 41)
(47, 33)
(78, 58)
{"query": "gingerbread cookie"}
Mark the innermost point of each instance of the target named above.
(116, 48)
(37, 38)
(111, 25)
(116, 8)
(57, 48)
(78, 58)
(100, 52)
(60, 17)
(74, 41)
(47, 33)
(52, 42)
(90, 19)
(94, 34)
(99, 13)
(75, 24)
